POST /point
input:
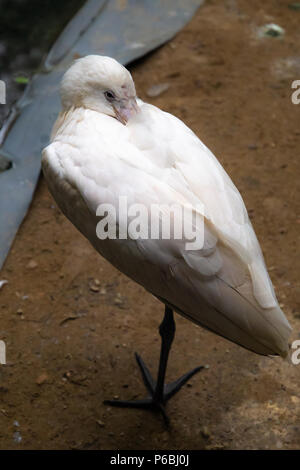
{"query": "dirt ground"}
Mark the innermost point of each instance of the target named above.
(71, 322)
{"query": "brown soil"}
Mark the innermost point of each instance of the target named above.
(70, 341)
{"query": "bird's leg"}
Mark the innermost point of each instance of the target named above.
(167, 330)
(159, 392)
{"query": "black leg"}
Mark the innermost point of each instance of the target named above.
(159, 392)
(167, 333)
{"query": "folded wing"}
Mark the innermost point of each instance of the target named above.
(224, 286)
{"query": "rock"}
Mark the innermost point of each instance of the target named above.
(205, 432)
(119, 301)
(32, 264)
(17, 437)
(100, 423)
(94, 286)
(42, 379)
(271, 30)
(3, 282)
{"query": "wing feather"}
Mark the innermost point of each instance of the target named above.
(224, 286)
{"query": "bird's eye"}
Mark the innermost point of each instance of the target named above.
(109, 95)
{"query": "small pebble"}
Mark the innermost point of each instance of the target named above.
(94, 288)
(3, 282)
(100, 423)
(17, 437)
(205, 432)
(32, 264)
(271, 30)
(41, 378)
(95, 285)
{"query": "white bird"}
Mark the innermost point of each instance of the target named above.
(106, 143)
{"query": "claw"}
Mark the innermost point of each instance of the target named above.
(152, 402)
(159, 393)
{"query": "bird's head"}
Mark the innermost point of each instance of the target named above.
(101, 84)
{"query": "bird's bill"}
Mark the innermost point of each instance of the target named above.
(124, 109)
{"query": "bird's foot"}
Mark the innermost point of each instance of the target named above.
(156, 401)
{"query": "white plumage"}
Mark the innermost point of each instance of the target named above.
(104, 147)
